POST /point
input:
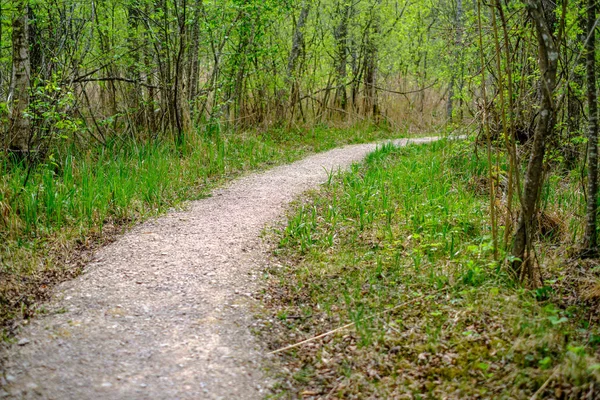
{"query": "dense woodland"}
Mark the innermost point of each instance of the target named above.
(94, 80)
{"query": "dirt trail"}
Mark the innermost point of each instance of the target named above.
(165, 312)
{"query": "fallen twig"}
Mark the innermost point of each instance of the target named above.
(541, 389)
(341, 328)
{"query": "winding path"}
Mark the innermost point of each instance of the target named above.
(165, 312)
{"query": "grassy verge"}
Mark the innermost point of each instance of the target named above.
(53, 216)
(401, 247)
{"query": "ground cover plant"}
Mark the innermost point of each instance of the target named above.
(53, 214)
(401, 247)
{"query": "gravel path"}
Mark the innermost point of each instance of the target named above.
(165, 312)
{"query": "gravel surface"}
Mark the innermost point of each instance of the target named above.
(166, 311)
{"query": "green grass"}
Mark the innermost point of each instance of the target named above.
(50, 216)
(408, 225)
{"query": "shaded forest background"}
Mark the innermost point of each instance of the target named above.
(151, 69)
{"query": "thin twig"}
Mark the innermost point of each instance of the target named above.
(404, 93)
(541, 389)
(341, 328)
(116, 79)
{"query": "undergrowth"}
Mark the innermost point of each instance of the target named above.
(53, 215)
(401, 247)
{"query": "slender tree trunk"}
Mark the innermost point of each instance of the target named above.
(457, 54)
(136, 92)
(180, 104)
(574, 102)
(194, 65)
(371, 105)
(297, 51)
(450, 102)
(371, 108)
(108, 94)
(240, 71)
(356, 67)
(341, 37)
(548, 63)
(19, 124)
(590, 239)
(370, 101)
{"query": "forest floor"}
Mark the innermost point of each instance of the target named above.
(385, 284)
(167, 310)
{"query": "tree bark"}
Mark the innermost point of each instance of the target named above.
(19, 124)
(457, 55)
(371, 107)
(298, 40)
(194, 66)
(590, 239)
(548, 63)
(179, 101)
(297, 50)
(341, 37)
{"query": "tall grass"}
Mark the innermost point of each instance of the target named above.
(114, 183)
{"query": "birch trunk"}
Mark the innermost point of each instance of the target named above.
(590, 239)
(19, 124)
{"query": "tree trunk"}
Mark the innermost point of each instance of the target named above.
(590, 239)
(371, 108)
(457, 55)
(548, 62)
(297, 50)
(341, 37)
(19, 124)
(194, 66)
(574, 110)
(450, 103)
(242, 54)
(135, 94)
(179, 102)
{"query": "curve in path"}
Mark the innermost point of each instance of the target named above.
(165, 311)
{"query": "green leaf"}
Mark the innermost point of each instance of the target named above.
(483, 366)
(545, 363)
(557, 321)
(577, 350)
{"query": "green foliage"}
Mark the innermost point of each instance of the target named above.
(50, 112)
(122, 62)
